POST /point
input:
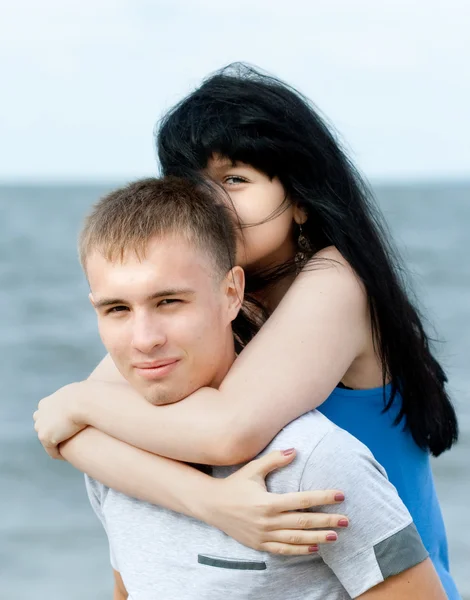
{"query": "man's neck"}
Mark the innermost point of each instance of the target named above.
(225, 363)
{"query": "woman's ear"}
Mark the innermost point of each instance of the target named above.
(300, 215)
(235, 288)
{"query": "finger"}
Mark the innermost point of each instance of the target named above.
(303, 500)
(274, 460)
(288, 549)
(53, 452)
(47, 441)
(304, 520)
(302, 538)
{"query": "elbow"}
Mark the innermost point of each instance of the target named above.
(231, 438)
(233, 448)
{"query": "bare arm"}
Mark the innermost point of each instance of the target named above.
(137, 473)
(418, 583)
(291, 366)
(120, 592)
(239, 505)
(107, 372)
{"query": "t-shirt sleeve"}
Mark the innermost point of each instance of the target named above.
(381, 539)
(97, 494)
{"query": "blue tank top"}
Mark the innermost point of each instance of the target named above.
(408, 467)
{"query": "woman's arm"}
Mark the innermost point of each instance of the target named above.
(238, 505)
(311, 340)
(106, 371)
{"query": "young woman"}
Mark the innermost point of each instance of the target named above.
(343, 335)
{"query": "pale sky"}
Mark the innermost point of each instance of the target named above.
(83, 82)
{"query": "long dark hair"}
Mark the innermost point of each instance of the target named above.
(245, 115)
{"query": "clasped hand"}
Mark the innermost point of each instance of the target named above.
(57, 418)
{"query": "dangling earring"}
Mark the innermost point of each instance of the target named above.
(304, 247)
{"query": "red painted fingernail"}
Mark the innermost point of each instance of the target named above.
(343, 523)
(288, 451)
(313, 548)
(339, 497)
(331, 537)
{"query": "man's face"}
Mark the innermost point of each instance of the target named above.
(166, 319)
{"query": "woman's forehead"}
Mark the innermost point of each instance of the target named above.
(218, 162)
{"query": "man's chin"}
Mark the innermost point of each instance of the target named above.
(162, 392)
(161, 401)
(160, 397)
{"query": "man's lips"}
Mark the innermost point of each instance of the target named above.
(156, 369)
(153, 364)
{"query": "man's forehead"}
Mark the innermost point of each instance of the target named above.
(166, 264)
(163, 250)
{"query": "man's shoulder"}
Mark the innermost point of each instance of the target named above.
(110, 501)
(313, 434)
(93, 483)
(319, 444)
(96, 490)
(304, 434)
(339, 449)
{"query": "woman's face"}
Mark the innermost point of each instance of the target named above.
(267, 218)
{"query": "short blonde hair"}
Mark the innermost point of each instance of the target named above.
(128, 218)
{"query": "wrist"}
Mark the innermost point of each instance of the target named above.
(79, 406)
(204, 501)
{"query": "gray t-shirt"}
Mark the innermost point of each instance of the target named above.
(163, 555)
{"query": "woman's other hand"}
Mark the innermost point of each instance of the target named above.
(242, 507)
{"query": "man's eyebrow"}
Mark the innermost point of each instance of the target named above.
(171, 292)
(107, 302)
(160, 294)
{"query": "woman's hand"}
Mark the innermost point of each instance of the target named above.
(57, 418)
(243, 508)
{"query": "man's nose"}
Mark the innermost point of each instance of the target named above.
(147, 334)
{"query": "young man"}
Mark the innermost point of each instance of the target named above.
(159, 258)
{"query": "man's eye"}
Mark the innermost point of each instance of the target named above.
(169, 301)
(234, 180)
(116, 309)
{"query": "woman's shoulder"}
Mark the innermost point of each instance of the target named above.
(328, 267)
(329, 256)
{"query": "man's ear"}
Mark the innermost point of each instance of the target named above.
(235, 288)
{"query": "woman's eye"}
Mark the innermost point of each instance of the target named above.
(234, 180)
